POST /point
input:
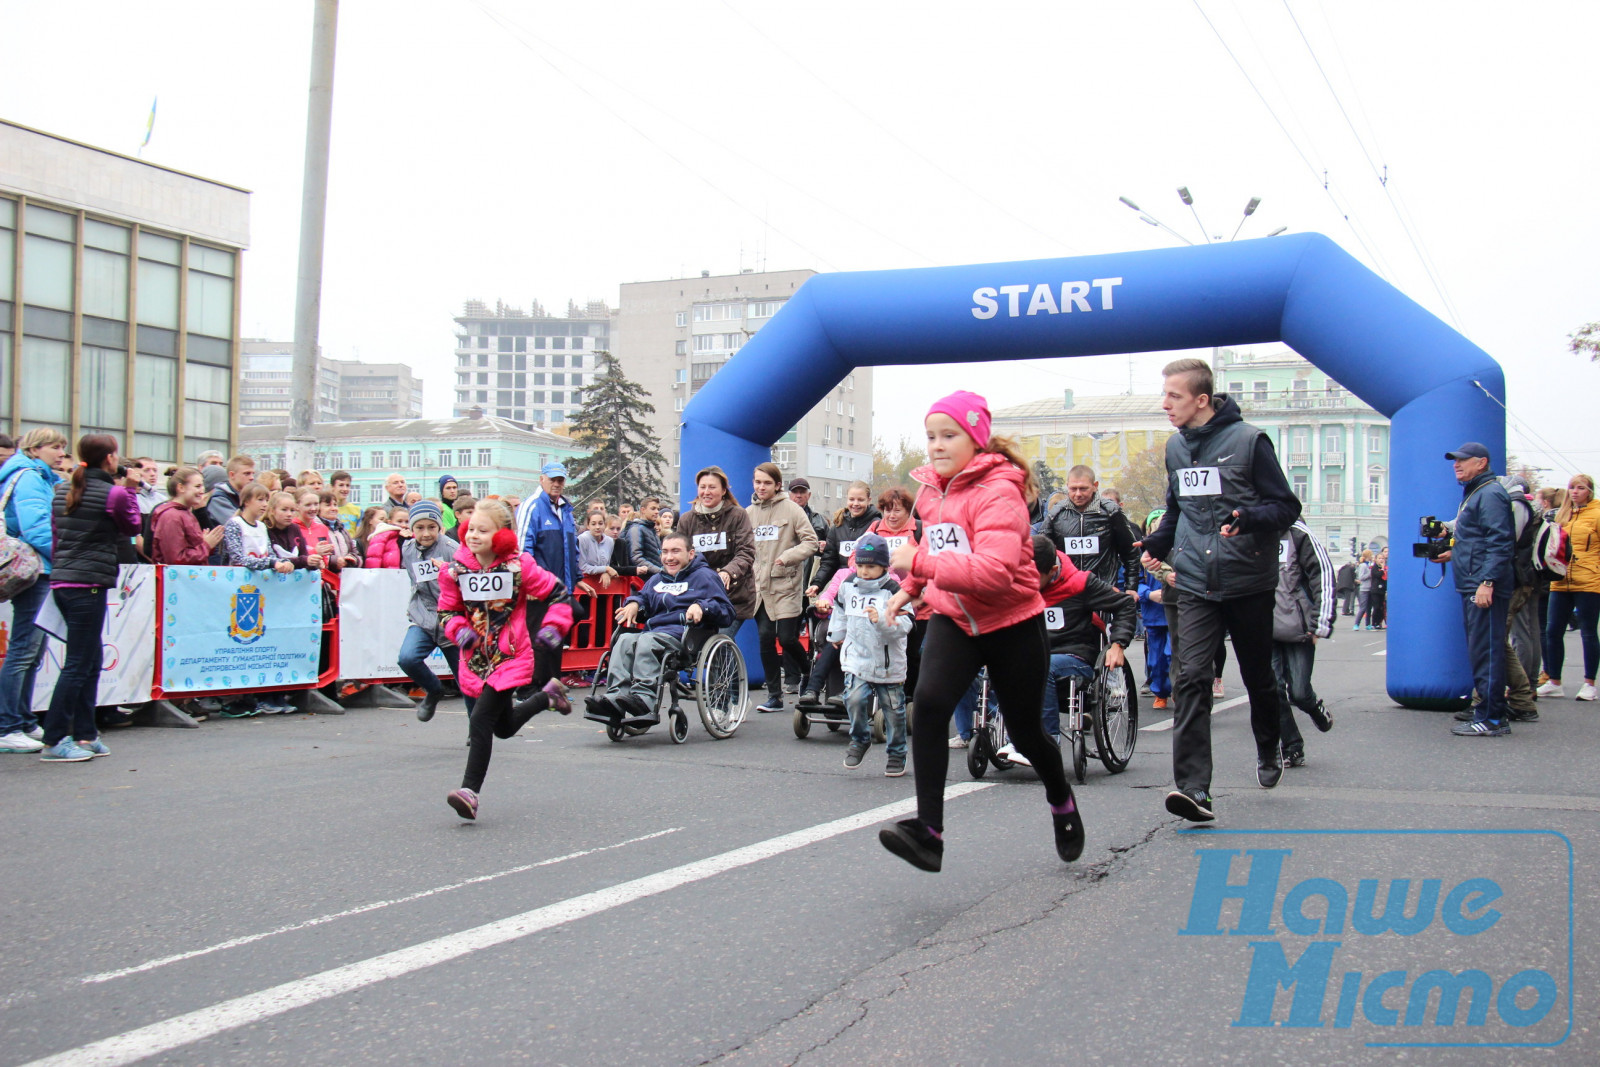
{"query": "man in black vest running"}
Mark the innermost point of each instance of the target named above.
(1228, 504)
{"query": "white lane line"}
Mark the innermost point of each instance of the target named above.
(362, 910)
(1381, 652)
(1167, 724)
(180, 1030)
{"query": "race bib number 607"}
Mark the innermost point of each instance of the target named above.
(1199, 481)
(490, 585)
(946, 537)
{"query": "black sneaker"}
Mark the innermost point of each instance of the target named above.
(1466, 715)
(853, 755)
(1487, 728)
(1191, 804)
(1269, 770)
(809, 699)
(1531, 715)
(635, 709)
(1069, 834)
(1322, 717)
(426, 708)
(913, 842)
(895, 767)
(1294, 757)
(773, 703)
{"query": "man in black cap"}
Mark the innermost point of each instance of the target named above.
(1482, 554)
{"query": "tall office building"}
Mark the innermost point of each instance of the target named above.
(347, 390)
(119, 297)
(674, 335)
(527, 366)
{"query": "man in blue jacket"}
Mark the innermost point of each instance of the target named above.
(1485, 544)
(686, 593)
(545, 526)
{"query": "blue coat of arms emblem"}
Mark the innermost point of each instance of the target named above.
(247, 620)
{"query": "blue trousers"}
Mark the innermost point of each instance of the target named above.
(1158, 657)
(414, 652)
(22, 658)
(1486, 648)
(891, 701)
(1555, 634)
(77, 688)
(1063, 666)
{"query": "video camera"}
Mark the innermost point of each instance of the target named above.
(1437, 538)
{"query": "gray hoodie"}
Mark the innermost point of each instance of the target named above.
(423, 609)
(873, 652)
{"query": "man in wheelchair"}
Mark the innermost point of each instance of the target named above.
(686, 592)
(1072, 600)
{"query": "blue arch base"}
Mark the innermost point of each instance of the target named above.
(1437, 387)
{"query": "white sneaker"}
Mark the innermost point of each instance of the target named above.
(1008, 751)
(1551, 689)
(1586, 693)
(1218, 689)
(17, 741)
(37, 733)
(958, 741)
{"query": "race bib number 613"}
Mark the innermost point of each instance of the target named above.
(490, 585)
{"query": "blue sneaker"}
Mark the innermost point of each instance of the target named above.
(66, 750)
(97, 746)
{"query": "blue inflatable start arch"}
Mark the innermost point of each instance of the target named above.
(1302, 290)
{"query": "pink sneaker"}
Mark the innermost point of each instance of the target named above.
(465, 801)
(1217, 689)
(558, 696)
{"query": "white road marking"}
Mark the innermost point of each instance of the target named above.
(1167, 724)
(1381, 652)
(180, 1030)
(362, 910)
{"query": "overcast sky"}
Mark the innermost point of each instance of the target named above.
(512, 150)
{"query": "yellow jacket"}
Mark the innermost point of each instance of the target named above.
(1583, 573)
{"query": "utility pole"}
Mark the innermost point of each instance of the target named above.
(299, 443)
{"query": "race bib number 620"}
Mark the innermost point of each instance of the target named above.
(947, 537)
(1199, 481)
(490, 585)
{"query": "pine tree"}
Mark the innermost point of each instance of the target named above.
(625, 461)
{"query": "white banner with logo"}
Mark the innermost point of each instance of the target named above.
(127, 667)
(373, 623)
(231, 628)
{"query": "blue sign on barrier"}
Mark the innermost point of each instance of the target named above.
(232, 628)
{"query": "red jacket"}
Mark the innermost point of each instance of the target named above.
(1069, 583)
(975, 561)
(176, 536)
(383, 548)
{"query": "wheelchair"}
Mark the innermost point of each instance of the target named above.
(708, 669)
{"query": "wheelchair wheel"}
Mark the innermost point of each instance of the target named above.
(722, 686)
(1116, 716)
(597, 684)
(615, 731)
(978, 754)
(679, 723)
(1080, 755)
(802, 723)
(833, 727)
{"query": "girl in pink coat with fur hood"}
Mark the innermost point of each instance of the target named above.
(483, 608)
(974, 566)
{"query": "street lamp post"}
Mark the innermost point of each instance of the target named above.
(1188, 200)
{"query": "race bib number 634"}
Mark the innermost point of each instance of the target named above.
(946, 537)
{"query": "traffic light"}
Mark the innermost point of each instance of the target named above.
(1352, 546)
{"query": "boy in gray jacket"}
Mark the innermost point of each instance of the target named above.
(873, 653)
(421, 556)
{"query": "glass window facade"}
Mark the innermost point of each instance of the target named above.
(107, 315)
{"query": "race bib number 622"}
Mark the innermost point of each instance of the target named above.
(946, 537)
(489, 585)
(1199, 481)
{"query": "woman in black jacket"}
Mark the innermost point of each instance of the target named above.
(96, 515)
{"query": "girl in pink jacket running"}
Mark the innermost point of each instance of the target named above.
(974, 566)
(483, 598)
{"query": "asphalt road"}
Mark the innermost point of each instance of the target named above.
(294, 890)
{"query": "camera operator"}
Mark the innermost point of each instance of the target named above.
(1485, 542)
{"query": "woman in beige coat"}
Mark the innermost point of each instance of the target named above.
(784, 541)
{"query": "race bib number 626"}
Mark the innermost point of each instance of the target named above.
(489, 585)
(1199, 481)
(946, 537)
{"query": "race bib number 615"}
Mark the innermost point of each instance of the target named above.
(490, 585)
(1199, 481)
(947, 537)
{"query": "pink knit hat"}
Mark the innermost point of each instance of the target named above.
(970, 411)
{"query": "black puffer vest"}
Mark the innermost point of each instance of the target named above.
(87, 540)
(1211, 470)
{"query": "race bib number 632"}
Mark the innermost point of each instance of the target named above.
(1199, 481)
(946, 537)
(710, 542)
(489, 585)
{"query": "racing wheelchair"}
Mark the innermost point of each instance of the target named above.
(707, 669)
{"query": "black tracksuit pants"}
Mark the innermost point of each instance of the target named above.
(1202, 624)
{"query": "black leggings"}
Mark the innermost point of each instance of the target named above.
(493, 716)
(1018, 658)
